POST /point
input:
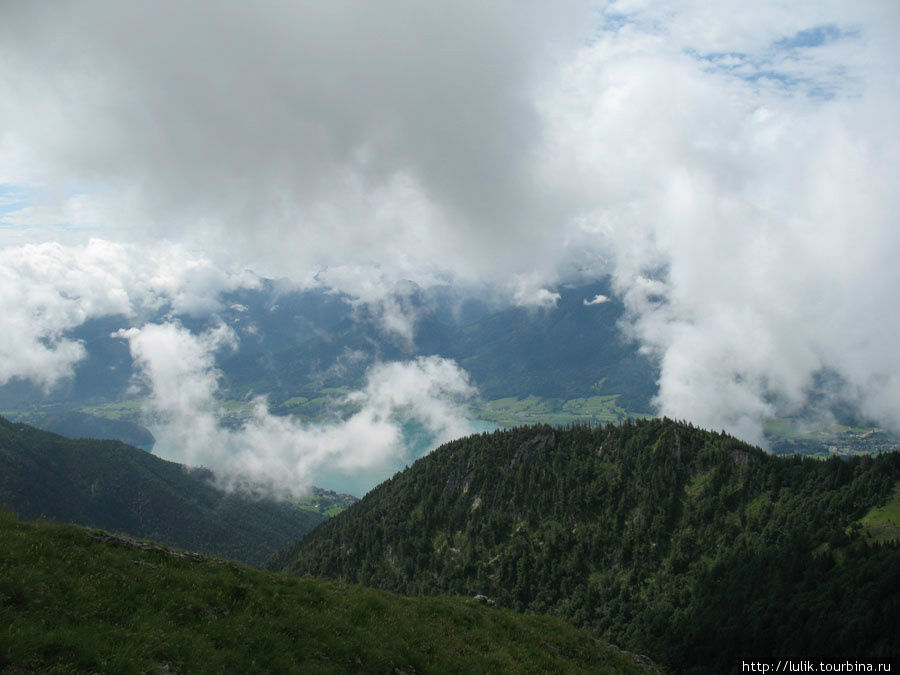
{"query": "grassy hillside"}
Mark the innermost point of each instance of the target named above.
(75, 600)
(117, 487)
(882, 523)
(326, 502)
(690, 546)
(512, 411)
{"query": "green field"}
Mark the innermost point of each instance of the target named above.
(789, 436)
(75, 601)
(514, 411)
(325, 502)
(329, 403)
(129, 409)
(883, 522)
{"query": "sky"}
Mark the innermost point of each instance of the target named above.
(732, 166)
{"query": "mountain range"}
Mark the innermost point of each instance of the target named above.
(689, 546)
(303, 349)
(117, 487)
(291, 341)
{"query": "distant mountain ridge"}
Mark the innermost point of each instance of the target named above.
(573, 349)
(117, 487)
(74, 424)
(689, 546)
(305, 349)
(295, 343)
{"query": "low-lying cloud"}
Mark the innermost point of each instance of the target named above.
(282, 454)
(48, 289)
(749, 213)
(732, 165)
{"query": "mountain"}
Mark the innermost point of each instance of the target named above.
(571, 351)
(117, 487)
(81, 601)
(689, 546)
(574, 349)
(268, 319)
(74, 424)
(327, 502)
(296, 343)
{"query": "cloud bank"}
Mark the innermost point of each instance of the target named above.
(281, 454)
(311, 136)
(48, 289)
(746, 201)
(732, 165)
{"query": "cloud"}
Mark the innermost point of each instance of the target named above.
(305, 136)
(750, 225)
(48, 289)
(732, 165)
(396, 305)
(281, 453)
(528, 291)
(541, 298)
(598, 299)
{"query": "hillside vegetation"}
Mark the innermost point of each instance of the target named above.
(692, 547)
(77, 601)
(297, 345)
(114, 486)
(73, 424)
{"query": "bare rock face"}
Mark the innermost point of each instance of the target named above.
(531, 446)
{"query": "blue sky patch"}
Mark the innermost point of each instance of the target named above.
(12, 198)
(812, 37)
(776, 64)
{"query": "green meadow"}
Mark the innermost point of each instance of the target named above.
(74, 600)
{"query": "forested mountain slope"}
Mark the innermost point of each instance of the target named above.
(297, 343)
(73, 424)
(114, 486)
(692, 547)
(570, 350)
(80, 601)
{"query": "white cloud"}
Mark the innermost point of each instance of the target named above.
(541, 298)
(528, 291)
(734, 165)
(751, 226)
(598, 299)
(300, 135)
(49, 289)
(280, 452)
(393, 303)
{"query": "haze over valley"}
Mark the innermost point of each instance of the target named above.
(588, 302)
(748, 231)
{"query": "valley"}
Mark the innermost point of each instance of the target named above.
(114, 486)
(560, 494)
(508, 337)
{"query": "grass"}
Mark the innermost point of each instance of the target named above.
(74, 600)
(513, 411)
(294, 401)
(698, 483)
(129, 409)
(314, 505)
(883, 522)
(325, 404)
(786, 434)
